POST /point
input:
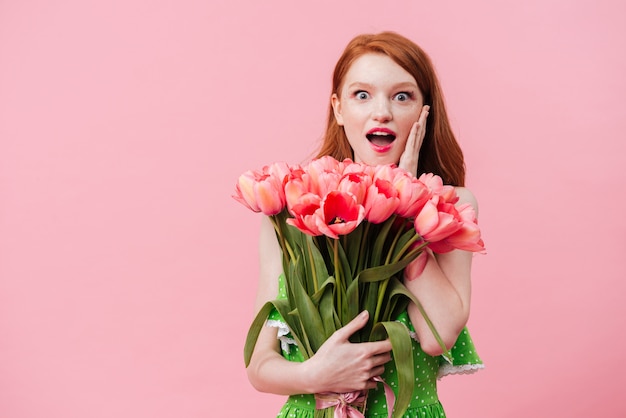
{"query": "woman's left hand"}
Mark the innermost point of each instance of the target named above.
(410, 156)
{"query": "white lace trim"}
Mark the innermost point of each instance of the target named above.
(283, 330)
(448, 369)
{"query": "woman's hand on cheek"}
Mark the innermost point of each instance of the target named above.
(341, 366)
(410, 156)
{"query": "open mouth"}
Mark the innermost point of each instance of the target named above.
(381, 139)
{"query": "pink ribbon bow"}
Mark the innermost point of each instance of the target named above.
(346, 403)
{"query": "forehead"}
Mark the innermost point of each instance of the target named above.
(377, 70)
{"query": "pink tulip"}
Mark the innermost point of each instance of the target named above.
(448, 194)
(433, 182)
(466, 212)
(434, 225)
(244, 190)
(355, 183)
(270, 197)
(387, 172)
(447, 227)
(305, 213)
(295, 187)
(381, 201)
(325, 164)
(262, 191)
(323, 174)
(350, 166)
(279, 170)
(467, 237)
(413, 194)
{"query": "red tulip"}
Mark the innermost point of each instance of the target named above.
(305, 213)
(339, 214)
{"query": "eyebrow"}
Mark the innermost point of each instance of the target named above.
(404, 84)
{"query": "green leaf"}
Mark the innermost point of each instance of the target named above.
(330, 321)
(403, 358)
(294, 316)
(316, 269)
(370, 299)
(352, 302)
(381, 239)
(254, 331)
(378, 273)
(324, 298)
(346, 269)
(309, 316)
(400, 289)
(353, 249)
(282, 306)
(404, 239)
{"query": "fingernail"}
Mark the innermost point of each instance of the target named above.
(364, 314)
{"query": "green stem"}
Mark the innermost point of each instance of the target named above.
(446, 352)
(395, 241)
(382, 289)
(312, 263)
(281, 237)
(406, 246)
(364, 240)
(337, 273)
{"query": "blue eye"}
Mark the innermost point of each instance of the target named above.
(362, 95)
(403, 96)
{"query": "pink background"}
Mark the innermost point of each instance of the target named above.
(127, 273)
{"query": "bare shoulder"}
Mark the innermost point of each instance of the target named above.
(466, 196)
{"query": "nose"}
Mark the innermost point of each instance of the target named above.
(382, 110)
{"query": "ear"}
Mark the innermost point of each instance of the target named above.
(334, 101)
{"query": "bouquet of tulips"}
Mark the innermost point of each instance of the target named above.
(347, 231)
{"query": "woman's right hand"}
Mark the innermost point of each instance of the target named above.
(341, 366)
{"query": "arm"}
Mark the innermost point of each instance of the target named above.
(444, 290)
(338, 366)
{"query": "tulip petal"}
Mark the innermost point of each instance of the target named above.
(427, 219)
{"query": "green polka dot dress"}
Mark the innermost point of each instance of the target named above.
(425, 402)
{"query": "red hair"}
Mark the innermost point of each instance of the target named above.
(440, 153)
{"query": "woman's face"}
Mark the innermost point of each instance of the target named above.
(377, 106)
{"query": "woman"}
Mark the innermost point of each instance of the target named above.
(384, 91)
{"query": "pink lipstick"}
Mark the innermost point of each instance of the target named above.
(381, 139)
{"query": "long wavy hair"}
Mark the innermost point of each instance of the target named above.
(440, 152)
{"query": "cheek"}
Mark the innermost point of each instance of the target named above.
(352, 121)
(407, 118)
